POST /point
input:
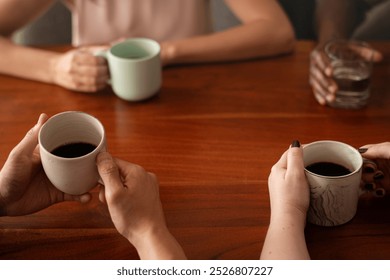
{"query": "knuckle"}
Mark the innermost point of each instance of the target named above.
(108, 167)
(113, 197)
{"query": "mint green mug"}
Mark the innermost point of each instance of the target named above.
(135, 68)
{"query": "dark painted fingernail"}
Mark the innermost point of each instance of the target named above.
(362, 150)
(369, 187)
(380, 192)
(379, 175)
(295, 144)
(368, 169)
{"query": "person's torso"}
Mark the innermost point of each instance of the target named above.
(104, 21)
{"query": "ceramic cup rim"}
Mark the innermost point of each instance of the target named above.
(356, 170)
(138, 40)
(101, 142)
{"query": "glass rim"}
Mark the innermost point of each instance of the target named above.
(344, 42)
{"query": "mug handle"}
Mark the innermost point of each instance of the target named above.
(103, 53)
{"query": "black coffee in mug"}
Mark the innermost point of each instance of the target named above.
(73, 150)
(328, 169)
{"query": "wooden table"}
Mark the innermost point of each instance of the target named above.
(211, 135)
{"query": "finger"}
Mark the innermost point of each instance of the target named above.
(377, 56)
(381, 150)
(368, 170)
(119, 40)
(30, 141)
(87, 58)
(109, 172)
(102, 196)
(92, 82)
(84, 86)
(369, 54)
(295, 160)
(369, 166)
(131, 172)
(92, 71)
(278, 170)
(94, 49)
(319, 92)
(320, 60)
(368, 178)
(84, 198)
(327, 83)
(282, 162)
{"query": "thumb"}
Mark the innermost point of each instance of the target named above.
(295, 163)
(28, 144)
(377, 56)
(84, 198)
(375, 151)
(109, 172)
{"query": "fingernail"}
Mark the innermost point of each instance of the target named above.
(368, 169)
(41, 118)
(333, 89)
(330, 98)
(380, 192)
(362, 150)
(295, 144)
(379, 175)
(369, 187)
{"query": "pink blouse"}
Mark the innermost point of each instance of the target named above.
(103, 21)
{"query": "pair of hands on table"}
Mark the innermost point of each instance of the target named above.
(132, 196)
(130, 192)
(290, 198)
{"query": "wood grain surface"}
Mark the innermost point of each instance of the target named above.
(211, 135)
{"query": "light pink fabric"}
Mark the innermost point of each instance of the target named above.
(104, 21)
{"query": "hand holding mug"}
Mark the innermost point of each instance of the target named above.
(24, 186)
(376, 172)
(80, 70)
(290, 197)
(288, 188)
(133, 199)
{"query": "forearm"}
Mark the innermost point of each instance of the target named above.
(158, 245)
(336, 19)
(25, 62)
(251, 40)
(285, 240)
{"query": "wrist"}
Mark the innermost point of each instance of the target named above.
(143, 238)
(168, 53)
(153, 244)
(157, 244)
(295, 217)
(52, 65)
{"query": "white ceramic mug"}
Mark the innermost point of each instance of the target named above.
(135, 68)
(72, 175)
(333, 199)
